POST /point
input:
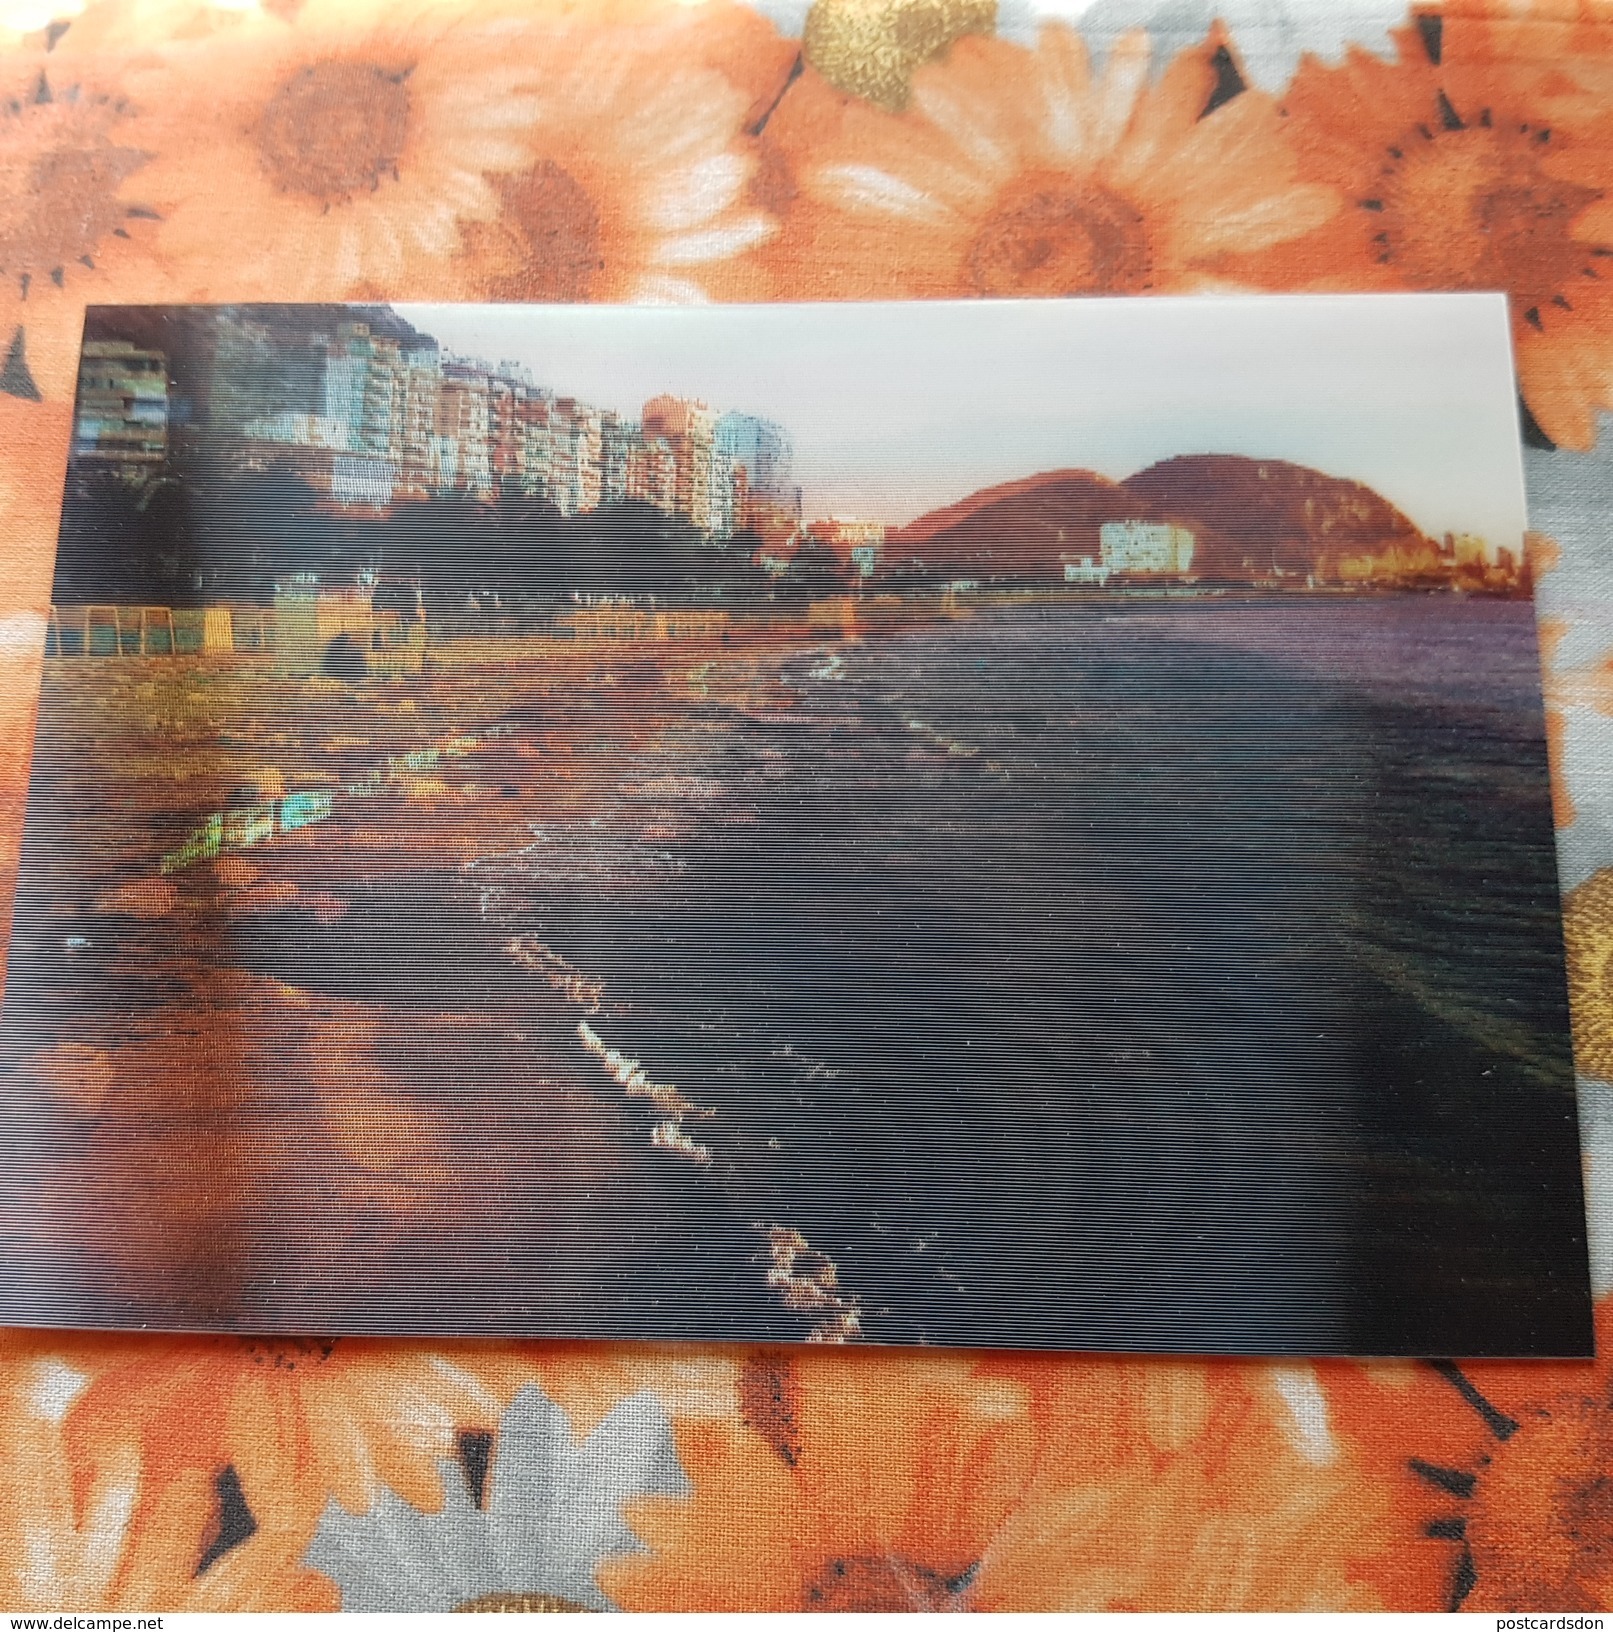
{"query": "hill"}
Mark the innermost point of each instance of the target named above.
(1252, 519)
(1017, 529)
(1260, 518)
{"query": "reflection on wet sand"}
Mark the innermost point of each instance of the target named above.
(223, 1147)
(1129, 976)
(271, 1150)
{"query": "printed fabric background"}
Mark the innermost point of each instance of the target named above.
(166, 150)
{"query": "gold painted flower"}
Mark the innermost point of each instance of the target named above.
(94, 1521)
(1468, 165)
(1020, 172)
(871, 47)
(339, 152)
(1588, 938)
(871, 1481)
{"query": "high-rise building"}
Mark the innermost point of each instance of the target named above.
(463, 456)
(365, 389)
(422, 396)
(652, 474)
(122, 414)
(617, 439)
(537, 441)
(574, 450)
(764, 450)
(724, 488)
(689, 429)
(373, 413)
(506, 432)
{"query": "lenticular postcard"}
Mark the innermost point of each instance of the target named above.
(1015, 823)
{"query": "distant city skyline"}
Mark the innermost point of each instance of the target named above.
(898, 409)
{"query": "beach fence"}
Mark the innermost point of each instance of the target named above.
(338, 631)
(639, 624)
(157, 631)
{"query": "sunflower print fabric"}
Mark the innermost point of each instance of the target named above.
(641, 150)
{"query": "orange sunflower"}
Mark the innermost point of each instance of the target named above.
(74, 225)
(308, 159)
(1540, 1526)
(1467, 166)
(92, 1524)
(35, 435)
(1017, 172)
(297, 1421)
(449, 151)
(1496, 1473)
(874, 1481)
(1188, 1485)
(643, 182)
(864, 1480)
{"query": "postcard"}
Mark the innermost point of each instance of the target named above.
(1001, 823)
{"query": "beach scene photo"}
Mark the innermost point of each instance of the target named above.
(1014, 823)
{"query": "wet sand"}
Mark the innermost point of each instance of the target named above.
(1164, 975)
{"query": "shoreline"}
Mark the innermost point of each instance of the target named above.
(672, 825)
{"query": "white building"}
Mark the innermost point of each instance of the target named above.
(365, 386)
(301, 431)
(1145, 546)
(357, 480)
(721, 519)
(537, 441)
(1086, 571)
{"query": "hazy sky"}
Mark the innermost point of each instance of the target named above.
(898, 408)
